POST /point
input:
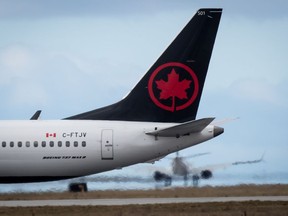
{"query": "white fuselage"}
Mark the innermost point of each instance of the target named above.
(72, 148)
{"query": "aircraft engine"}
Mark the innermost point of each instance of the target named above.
(206, 174)
(159, 176)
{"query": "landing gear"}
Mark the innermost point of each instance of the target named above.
(195, 180)
(78, 187)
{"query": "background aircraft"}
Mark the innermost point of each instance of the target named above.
(181, 168)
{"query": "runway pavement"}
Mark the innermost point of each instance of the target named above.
(134, 201)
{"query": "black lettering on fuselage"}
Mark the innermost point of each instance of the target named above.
(74, 134)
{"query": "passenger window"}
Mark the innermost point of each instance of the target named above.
(83, 143)
(4, 144)
(36, 144)
(59, 143)
(27, 144)
(12, 144)
(67, 144)
(43, 144)
(51, 144)
(75, 144)
(20, 144)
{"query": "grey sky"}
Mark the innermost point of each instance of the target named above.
(35, 9)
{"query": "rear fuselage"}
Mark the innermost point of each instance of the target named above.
(50, 150)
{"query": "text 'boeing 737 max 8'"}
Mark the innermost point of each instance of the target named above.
(156, 118)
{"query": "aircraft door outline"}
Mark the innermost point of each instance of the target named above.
(107, 150)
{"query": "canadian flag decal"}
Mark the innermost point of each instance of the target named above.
(50, 134)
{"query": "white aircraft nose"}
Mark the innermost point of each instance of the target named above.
(218, 131)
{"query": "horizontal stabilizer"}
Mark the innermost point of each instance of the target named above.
(183, 129)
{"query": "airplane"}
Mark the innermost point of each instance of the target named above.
(156, 118)
(180, 167)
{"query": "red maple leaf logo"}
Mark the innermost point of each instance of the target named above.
(173, 87)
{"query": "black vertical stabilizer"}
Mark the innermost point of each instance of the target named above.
(171, 90)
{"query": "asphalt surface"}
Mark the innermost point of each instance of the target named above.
(134, 201)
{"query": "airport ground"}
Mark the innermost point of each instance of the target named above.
(215, 208)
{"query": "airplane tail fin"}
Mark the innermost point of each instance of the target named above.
(171, 89)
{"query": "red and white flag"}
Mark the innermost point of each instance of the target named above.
(50, 135)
